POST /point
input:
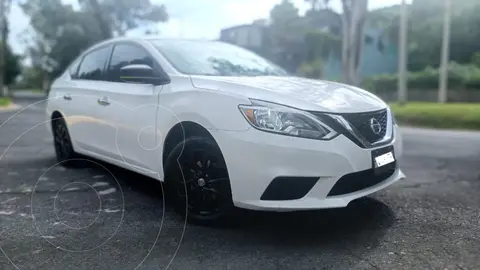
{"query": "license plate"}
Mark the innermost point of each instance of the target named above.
(384, 159)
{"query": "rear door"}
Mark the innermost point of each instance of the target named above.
(88, 131)
(60, 95)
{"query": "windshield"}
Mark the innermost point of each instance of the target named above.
(215, 59)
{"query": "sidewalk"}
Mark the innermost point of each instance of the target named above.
(18, 96)
(10, 107)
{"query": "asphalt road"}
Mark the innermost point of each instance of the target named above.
(102, 217)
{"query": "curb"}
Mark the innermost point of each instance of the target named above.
(10, 108)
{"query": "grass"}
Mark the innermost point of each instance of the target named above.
(34, 90)
(436, 115)
(4, 102)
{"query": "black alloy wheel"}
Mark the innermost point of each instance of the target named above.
(197, 180)
(62, 142)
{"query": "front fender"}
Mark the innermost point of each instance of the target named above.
(210, 109)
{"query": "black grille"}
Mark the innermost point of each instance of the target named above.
(361, 180)
(362, 122)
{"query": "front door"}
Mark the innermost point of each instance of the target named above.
(132, 109)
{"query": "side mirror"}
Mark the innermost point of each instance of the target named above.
(140, 73)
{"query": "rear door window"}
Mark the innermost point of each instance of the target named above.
(93, 64)
(73, 70)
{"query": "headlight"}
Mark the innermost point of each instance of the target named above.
(285, 120)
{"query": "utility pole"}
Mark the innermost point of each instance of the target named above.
(443, 83)
(402, 61)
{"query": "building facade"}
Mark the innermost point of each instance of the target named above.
(250, 36)
(379, 55)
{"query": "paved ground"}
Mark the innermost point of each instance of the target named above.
(52, 218)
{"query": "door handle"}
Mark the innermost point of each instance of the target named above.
(103, 101)
(67, 97)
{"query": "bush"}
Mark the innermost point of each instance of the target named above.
(436, 115)
(476, 59)
(459, 77)
(381, 83)
(473, 82)
(313, 70)
(4, 101)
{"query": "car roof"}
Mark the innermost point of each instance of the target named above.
(148, 38)
(154, 38)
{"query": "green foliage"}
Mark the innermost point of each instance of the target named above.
(318, 4)
(13, 68)
(473, 82)
(476, 59)
(31, 78)
(4, 101)
(123, 15)
(459, 77)
(437, 115)
(319, 44)
(296, 40)
(60, 33)
(286, 35)
(313, 70)
(425, 28)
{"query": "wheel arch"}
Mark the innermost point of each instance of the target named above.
(55, 115)
(181, 131)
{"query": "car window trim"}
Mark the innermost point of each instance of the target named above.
(77, 61)
(103, 79)
(157, 67)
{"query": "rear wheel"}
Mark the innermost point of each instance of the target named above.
(62, 142)
(197, 180)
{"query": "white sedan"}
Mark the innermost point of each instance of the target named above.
(223, 127)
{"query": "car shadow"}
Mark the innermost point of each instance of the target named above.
(355, 229)
(363, 221)
(335, 238)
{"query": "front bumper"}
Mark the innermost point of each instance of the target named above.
(255, 158)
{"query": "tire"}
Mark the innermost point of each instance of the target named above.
(204, 197)
(62, 142)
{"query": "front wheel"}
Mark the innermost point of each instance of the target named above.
(62, 142)
(198, 182)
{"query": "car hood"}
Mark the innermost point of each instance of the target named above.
(306, 94)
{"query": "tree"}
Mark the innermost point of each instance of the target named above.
(300, 43)
(286, 33)
(425, 31)
(313, 69)
(31, 78)
(13, 68)
(318, 4)
(321, 45)
(98, 14)
(59, 33)
(116, 17)
(4, 10)
(353, 21)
